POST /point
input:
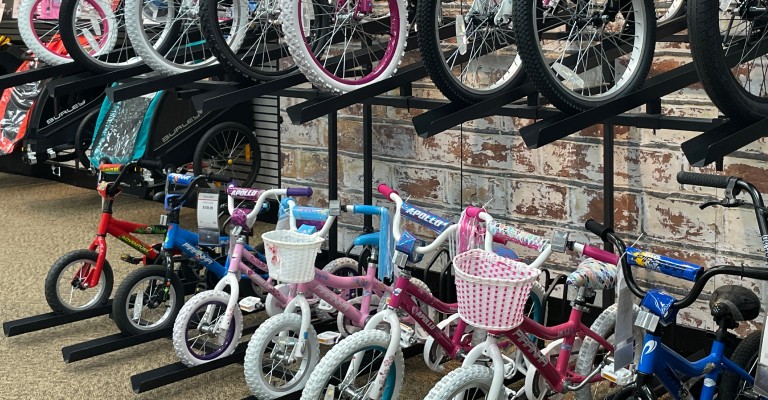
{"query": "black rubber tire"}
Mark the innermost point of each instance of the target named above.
(745, 356)
(52, 280)
(434, 62)
(209, 138)
(539, 71)
(708, 55)
(122, 297)
(71, 42)
(209, 19)
(84, 137)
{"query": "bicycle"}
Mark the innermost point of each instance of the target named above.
(580, 55)
(553, 371)
(83, 279)
(285, 348)
(213, 317)
(45, 43)
(729, 305)
(454, 340)
(149, 298)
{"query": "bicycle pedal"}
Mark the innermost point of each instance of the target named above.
(130, 259)
(407, 336)
(324, 306)
(329, 338)
(251, 304)
(622, 377)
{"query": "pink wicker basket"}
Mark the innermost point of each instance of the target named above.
(492, 290)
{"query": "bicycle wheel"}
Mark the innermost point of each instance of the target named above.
(732, 386)
(247, 38)
(84, 137)
(91, 30)
(230, 149)
(197, 342)
(471, 382)
(339, 46)
(149, 22)
(141, 303)
(270, 370)
(468, 55)
(330, 381)
(584, 53)
(737, 86)
(591, 353)
(39, 29)
(668, 9)
(65, 289)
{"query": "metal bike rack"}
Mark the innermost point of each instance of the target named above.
(108, 344)
(49, 320)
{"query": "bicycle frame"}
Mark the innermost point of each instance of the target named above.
(663, 362)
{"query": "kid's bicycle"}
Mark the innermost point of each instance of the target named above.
(729, 305)
(83, 279)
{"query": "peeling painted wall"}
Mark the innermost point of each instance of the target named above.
(558, 187)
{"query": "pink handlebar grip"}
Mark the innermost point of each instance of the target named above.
(473, 212)
(601, 255)
(386, 190)
(508, 233)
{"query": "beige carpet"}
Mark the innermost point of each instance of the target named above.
(42, 220)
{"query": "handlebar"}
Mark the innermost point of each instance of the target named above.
(509, 233)
(123, 170)
(700, 279)
(445, 231)
(734, 186)
(259, 196)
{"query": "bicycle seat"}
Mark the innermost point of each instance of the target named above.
(736, 302)
(594, 275)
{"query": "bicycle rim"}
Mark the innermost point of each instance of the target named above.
(44, 37)
(156, 306)
(352, 50)
(70, 290)
(206, 345)
(99, 34)
(478, 55)
(668, 9)
(591, 59)
(746, 32)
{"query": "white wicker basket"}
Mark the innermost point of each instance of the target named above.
(492, 290)
(291, 255)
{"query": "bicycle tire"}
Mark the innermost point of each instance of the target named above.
(588, 355)
(465, 88)
(123, 316)
(255, 375)
(745, 356)
(316, 69)
(229, 167)
(478, 377)
(29, 35)
(52, 279)
(234, 62)
(529, 16)
(187, 313)
(315, 389)
(73, 42)
(723, 88)
(84, 137)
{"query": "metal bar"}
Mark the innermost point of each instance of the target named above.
(367, 163)
(245, 92)
(34, 75)
(69, 85)
(156, 83)
(49, 320)
(445, 117)
(721, 141)
(333, 178)
(608, 195)
(108, 344)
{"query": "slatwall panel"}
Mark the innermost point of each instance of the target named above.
(266, 113)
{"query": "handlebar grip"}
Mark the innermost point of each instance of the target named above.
(110, 167)
(386, 190)
(598, 229)
(218, 178)
(473, 212)
(601, 255)
(706, 180)
(302, 192)
(157, 164)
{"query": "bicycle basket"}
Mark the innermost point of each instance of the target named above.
(492, 290)
(291, 255)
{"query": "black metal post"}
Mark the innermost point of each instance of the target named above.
(367, 163)
(333, 178)
(608, 196)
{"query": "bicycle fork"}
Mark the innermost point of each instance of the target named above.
(489, 348)
(298, 351)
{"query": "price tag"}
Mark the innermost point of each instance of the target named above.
(624, 347)
(208, 217)
(761, 376)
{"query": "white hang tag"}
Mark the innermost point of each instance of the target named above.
(624, 347)
(208, 217)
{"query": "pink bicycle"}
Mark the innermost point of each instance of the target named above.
(369, 364)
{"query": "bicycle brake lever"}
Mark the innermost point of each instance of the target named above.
(729, 203)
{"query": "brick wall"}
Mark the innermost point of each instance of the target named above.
(557, 187)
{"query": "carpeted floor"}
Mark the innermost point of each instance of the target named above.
(42, 220)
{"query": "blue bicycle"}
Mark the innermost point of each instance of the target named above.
(729, 305)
